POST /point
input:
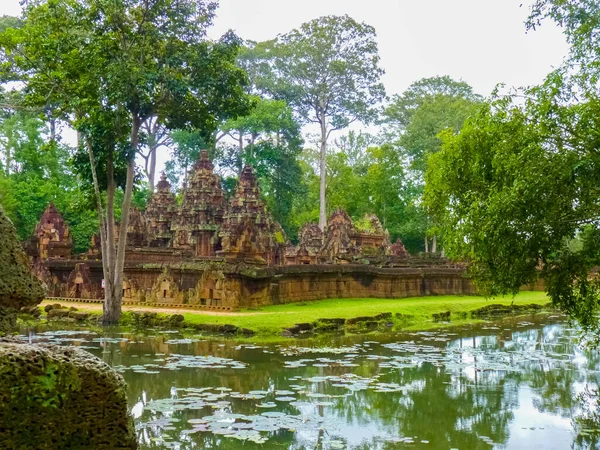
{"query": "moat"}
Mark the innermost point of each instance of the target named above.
(513, 384)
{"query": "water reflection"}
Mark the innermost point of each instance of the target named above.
(510, 385)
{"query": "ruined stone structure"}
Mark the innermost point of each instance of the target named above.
(310, 241)
(372, 239)
(52, 238)
(137, 234)
(248, 232)
(398, 249)
(160, 211)
(199, 220)
(217, 254)
(339, 236)
(55, 397)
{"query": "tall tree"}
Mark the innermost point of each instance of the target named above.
(153, 136)
(516, 187)
(328, 71)
(413, 123)
(107, 67)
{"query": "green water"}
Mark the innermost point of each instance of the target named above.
(514, 384)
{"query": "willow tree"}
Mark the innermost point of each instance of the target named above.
(328, 71)
(106, 67)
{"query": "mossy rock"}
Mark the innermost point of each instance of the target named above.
(61, 397)
(58, 313)
(18, 287)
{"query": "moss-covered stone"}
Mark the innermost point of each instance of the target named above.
(18, 287)
(61, 397)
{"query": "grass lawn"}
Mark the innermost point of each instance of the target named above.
(274, 318)
(270, 320)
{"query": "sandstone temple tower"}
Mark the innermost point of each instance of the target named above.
(52, 238)
(248, 231)
(197, 225)
(160, 211)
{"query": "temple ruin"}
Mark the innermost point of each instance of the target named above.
(214, 253)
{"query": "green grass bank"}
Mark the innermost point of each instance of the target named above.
(416, 313)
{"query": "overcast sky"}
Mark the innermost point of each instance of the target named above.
(482, 42)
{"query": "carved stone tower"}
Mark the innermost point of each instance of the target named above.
(199, 220)
(160, 213)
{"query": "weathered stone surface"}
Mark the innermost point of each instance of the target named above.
(355, 320)
(160, 213)
(370, 237)
(333, 321)
(58, 313)
(304, 326)
(339, 236)
(33, 311)
(441, 317)
(497, 309)
(18, 287)
(55, 397)
(137, 233)
(398, 249)
(52, 238)
(310, 241)
(199, 220)
(80, 284)
(248, 232)
(79, 315)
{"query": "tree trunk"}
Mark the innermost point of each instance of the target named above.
(52, 130)
(112, 310)
(426, 244)
(109, 255)
(152, 170)
(434, 244)
(323, 175)
(107, 268)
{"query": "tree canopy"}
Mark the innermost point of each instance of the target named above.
(106, 67)
(328, 71)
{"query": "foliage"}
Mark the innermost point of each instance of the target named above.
(515, 187)
(328, 71)
(414, 121)
(187, 145)
(269, 139)
(107, 67)
(517, 191)
(579, 20)
(9, 22)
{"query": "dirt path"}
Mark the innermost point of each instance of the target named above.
(98, 307)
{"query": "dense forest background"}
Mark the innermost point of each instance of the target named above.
(380, 171)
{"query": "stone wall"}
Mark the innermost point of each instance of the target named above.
(307, 283)
(222, 286)
(55, 397)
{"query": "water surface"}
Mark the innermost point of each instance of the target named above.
(515, 384)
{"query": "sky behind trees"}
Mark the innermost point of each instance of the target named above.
(481, 42)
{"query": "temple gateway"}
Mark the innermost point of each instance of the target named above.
(214, 253)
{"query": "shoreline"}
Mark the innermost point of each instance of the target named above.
(316, 317)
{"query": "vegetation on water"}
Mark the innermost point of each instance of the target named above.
(504, 384)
